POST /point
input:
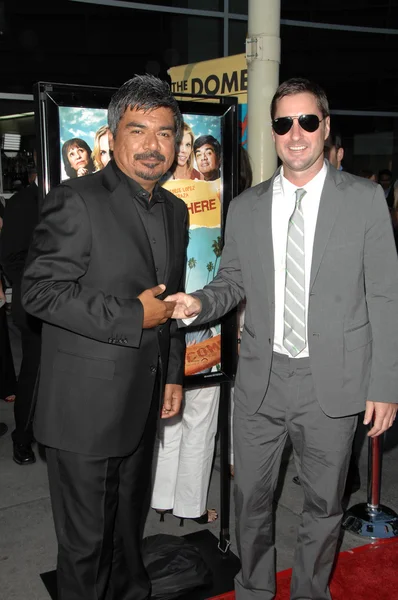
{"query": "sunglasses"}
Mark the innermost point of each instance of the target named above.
(309, 123)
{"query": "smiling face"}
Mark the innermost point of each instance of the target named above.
(104, 149)
(207, 161)
(78, 157)
(144, 145)
(301, 152)
(184, 151)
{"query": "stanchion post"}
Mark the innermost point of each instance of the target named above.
(225, 399)
(372, 519)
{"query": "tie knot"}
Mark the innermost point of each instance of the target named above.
(300, 193)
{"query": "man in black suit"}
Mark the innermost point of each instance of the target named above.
(106, 248)
(20, 219)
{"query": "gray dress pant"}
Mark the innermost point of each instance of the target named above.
(322, 447)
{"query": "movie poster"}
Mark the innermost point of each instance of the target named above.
(84, 143)
(195, 178)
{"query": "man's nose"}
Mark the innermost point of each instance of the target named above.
(151, 140)
(295, 131)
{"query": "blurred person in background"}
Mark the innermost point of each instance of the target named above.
(385, 180)
(21, 216)
(8, 381)
(368, 174)
(333, 149)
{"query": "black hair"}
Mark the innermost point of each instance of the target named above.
(143, 92)
(208, 139)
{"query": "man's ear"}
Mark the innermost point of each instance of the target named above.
(110, 140)
(340, 154)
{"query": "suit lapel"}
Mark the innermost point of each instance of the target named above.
(262, 218)
(331, 199)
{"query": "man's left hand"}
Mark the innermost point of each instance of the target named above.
(383, 413)
(172, 400)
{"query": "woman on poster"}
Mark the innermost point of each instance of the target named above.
(101, 153)
(76, 156)
(183, 167)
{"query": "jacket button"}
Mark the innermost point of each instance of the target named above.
(152, 369)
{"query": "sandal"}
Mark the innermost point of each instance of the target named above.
(204, 519)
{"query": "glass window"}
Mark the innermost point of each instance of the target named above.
(216, 5)
(237, 37)
(239, 7)
(356, 70)
(371, 14)
(368, 143)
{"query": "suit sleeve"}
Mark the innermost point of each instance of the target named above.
(58, 258)
(176, 366)
(381, 283)
(226, 290)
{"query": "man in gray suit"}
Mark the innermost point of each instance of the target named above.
(312, 250)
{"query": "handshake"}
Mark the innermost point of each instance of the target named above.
(176, 306)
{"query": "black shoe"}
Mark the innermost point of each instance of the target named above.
(23, 454)
(3, 429)
(296, 480)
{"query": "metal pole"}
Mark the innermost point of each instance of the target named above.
(263, 58)
(225, 399)
(372, 519)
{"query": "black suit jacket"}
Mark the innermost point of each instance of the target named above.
(89, 260)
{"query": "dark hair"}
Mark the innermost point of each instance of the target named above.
(298, 85)
(143, 92)
(385, 172)
(76, 143)
(245, 179)
(334, 139)
(208, 139)
(368, 173)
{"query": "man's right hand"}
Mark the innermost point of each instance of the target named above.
(186, 306)
(156, 312)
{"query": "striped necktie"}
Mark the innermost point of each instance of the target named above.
(295, 331)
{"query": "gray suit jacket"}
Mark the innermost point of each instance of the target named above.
(353, 303)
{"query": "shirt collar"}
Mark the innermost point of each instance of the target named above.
(288, 188)
(137, 189)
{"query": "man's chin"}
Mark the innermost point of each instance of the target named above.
(150, 175)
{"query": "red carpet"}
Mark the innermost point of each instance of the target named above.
(366, 573)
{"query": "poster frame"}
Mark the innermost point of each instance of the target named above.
(49, 97)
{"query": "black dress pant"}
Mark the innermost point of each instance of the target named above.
(99, 506)
(8, 381)
(24, 402)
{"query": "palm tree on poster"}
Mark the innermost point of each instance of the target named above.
(191, 265)
(217, 249)
(209, 267)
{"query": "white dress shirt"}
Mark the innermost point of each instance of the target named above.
(283, 202)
